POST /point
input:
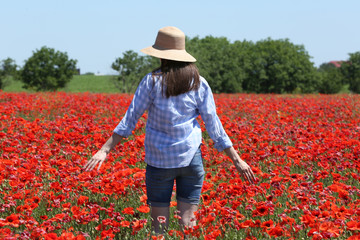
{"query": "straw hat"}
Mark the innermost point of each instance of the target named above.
(169, 44)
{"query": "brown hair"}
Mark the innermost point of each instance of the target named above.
(178, 77)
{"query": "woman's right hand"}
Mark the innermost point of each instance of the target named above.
(101, 155)
(98, 158)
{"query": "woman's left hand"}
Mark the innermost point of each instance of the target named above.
(245, 170)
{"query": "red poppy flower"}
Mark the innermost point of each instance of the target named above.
(124, 223)
(137, 225)
(261, 210)
(82, 199)
(246, 224)
(275, 231)
(308, 220)
(267, 224)
(143, 209)
(128, 210)
(12, 220)
(353, 225)
(107, 234)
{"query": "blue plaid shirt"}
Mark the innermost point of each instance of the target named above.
(172, 132)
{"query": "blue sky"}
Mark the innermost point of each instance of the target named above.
(97, 32)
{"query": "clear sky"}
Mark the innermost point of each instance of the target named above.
(97, 32)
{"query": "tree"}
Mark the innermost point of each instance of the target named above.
(279, 66)
(219, 61)
(47, 70)
(8, 68)
(132, 68)
(331, 78)
(2, 79)
(351, 71)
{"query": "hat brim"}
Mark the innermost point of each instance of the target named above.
(176, 55)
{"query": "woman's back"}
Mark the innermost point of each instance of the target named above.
(172, 132)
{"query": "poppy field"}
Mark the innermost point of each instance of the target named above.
(303, 149)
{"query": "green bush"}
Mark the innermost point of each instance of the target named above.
(331, 79)
(47, 70)
(351, 70)
(8, 68)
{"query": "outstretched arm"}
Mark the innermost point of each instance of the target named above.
(101, 155)
(243, 168)
(217, 133)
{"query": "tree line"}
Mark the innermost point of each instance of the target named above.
(267, 66)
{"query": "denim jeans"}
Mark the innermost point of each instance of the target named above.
(189, 181)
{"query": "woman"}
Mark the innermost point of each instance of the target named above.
(174, 95)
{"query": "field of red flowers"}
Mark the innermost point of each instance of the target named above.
(304, 151)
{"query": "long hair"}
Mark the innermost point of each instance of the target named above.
(178, 77)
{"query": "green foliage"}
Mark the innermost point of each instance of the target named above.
(351, 71)
(279, 66)
(268, 66)
(331, 79)
(2, 78)
(8, 68)
(219, 62)
(47, 70)
(132, 68)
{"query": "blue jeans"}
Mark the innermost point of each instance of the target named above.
(189, 181)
